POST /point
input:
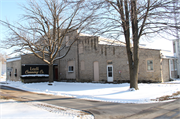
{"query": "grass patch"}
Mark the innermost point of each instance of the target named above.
(167, 97)
(6, 97)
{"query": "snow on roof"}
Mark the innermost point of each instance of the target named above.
(167, 54)
(108, 41)
(84, 34)
(13, 59)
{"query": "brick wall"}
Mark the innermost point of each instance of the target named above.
(92, 51)
(87, 50)
(165, 70)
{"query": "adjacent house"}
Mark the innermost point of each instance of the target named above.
(93, 59)
(0, 68)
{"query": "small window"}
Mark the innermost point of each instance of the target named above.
(15, 74)
(150, 65)
(9, 73)
(71, 69)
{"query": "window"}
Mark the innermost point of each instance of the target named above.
(71, 69)
(109, 71)
(71, 66)
(15, 74)
(150, 65)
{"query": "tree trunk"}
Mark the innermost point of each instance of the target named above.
(51, 73)
(135, 64)
(134, 78)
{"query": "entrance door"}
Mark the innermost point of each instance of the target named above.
(109, 73)
(56, 74)
(96, 71)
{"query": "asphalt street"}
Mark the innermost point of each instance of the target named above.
(102, 110)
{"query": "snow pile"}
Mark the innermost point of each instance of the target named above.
(63, 111)
(11, 109)
(35, 75)
(3, 78)
(176, 81)
(103, 92)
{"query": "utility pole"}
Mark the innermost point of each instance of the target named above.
(177, 42)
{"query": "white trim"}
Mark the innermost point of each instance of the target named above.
(170, 68)
(13, 59)
(35, 75)
(69, 70)
(147, 65)
(110, 79)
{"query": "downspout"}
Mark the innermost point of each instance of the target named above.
(78, 72)
(161, 61)
(59, 71)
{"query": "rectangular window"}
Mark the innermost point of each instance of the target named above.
(109, 71)
(150, 65)
(71, 69)
(15, 74)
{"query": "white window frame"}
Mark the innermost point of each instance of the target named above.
(110, 79)
(15, 72)
(148, 65)
(70, 67)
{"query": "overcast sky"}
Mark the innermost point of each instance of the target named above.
(11, 11)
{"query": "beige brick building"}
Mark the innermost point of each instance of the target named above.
(95, 59)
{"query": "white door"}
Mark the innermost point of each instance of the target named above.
(109, 73)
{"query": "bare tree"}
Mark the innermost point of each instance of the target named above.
(46, 24)
(132, 19)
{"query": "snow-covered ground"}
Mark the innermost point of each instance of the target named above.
(10, 109)
(3, 78)
(104, 92)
